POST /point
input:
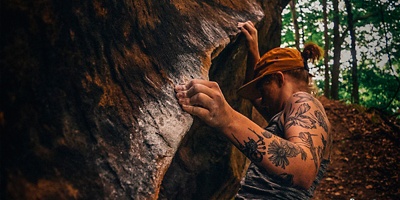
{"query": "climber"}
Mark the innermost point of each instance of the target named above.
(291, 154)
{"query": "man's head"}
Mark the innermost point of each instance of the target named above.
(288, 61)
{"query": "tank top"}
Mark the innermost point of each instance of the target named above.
(259, 184)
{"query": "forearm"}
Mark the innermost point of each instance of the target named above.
(250, 32)
(278, 156)
(252, 58)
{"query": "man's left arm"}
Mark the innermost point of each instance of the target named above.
(305, 123)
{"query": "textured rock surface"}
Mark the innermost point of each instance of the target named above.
(88, 109)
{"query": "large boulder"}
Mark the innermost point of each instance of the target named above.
(88, 109)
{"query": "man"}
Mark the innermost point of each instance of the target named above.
(290, 156)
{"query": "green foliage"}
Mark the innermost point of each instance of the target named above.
(288, 34)
(377, 37)
(377, 88)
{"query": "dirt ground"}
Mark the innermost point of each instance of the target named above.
(365, 161)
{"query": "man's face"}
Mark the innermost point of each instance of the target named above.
(270, 96)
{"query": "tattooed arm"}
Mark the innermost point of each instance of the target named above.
(295, 158)
(307, 127)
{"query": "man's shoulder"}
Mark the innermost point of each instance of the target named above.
(304, 97)
(302, 104)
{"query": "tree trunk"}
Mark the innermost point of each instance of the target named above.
(336, 52)
(88, 108)
(354, 74)
(387, 49)
(295, 23)
(326, 50)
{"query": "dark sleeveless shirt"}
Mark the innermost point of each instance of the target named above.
(259, 184)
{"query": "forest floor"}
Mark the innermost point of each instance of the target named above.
(365, 162)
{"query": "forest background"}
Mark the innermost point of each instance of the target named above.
(361, 44)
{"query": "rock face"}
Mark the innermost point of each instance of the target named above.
(88, 109)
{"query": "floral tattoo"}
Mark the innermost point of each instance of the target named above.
(321, 120)
(304, 119)
(281, 150)
(300, 118)
(321, 150)
(306, 140)
(304, 97)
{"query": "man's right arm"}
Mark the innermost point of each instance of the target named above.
(253, 56)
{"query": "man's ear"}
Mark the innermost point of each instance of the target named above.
(280, 78)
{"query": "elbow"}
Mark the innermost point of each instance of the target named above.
(305, 184)
(305, 180)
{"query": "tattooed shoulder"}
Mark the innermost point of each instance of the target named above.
(303, 97)
(299, 115)
(306, 97)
